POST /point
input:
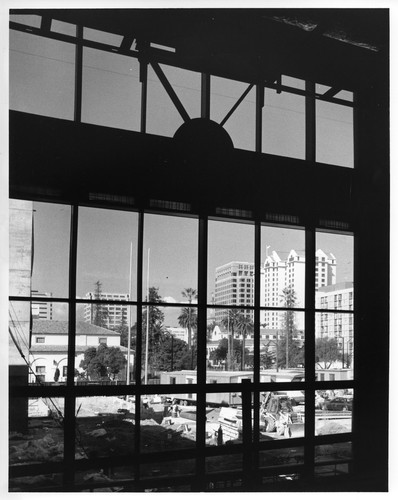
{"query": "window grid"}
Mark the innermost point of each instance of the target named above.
(200, 388)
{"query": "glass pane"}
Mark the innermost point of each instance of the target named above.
(171, 353)
(48, 353)
(187, 85)
(230, 275)
(224, 463)
(282, 349)
(169, 468)
(282, 415)
(171, 259)
(111, 90)
(39, 238)
(224, 422)
(107, 254)
(334, 346)
(64, 28)
(102, 353)
(224, 94)
(230, 344)
(167, 423)
(334, 290)
(334, 413)
(18, 342)
(20, 247)
(335, 452)
(334, 134)
(38, 337)
(102, 37)
(28, 19)
(42, 75)
(105, 427)
(162, 116)
(35, 437)
(282, 456)
(334, 263)
(283, 271)
(283, 131)
(293, 82)
(51, 226)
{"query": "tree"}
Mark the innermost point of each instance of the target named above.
(290, 353)
(326, 351)
(210, 329)
(244, 326)
(173, 354)
(189, 293)
(229, 322)
(188, 319)
(123, 328)
(99, 312)
(268, 355)
(221, 352)
(155, 330)
(103, 362)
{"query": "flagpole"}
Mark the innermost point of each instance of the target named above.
(147, 322)
(129, 319)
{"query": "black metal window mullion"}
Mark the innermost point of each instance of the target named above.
(310, 122)
(256, 353)
(201, 355)
(205, 96)
(309, 320)
(78, 74)
(259, 116)
(138, 343)
(144, 92)
(70, 399)
(309, 426)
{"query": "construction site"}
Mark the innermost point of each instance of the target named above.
(105, 427)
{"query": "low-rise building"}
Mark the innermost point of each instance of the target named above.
(49, 347)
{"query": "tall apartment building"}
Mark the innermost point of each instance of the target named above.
(278, 274)
(234, 285)
(113, 313)
(42, 310)
(339, 296)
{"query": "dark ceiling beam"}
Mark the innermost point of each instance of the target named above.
(234, 107)
(127, 43)
(332, 92)
(240, 44)
(170, 91)
(45, 23)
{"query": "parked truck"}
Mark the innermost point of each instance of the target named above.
(278, 414)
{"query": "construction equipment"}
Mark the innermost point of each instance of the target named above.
(277, 414)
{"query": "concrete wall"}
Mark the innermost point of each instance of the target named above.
(20, 265)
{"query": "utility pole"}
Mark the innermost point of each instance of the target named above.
(147, 323)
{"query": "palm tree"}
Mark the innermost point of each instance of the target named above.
(189, 293)
(289, 300)
(187, 319)
(229, 322)
(244, 326)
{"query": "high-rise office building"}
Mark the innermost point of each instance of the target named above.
(113, 314)
(42, 310)
(234, 285)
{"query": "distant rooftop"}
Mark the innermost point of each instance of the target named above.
(337, 286)
(58, 327)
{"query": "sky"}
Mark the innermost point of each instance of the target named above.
(41, 82)
(107, 239)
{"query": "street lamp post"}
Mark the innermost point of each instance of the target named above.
(342, 344)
